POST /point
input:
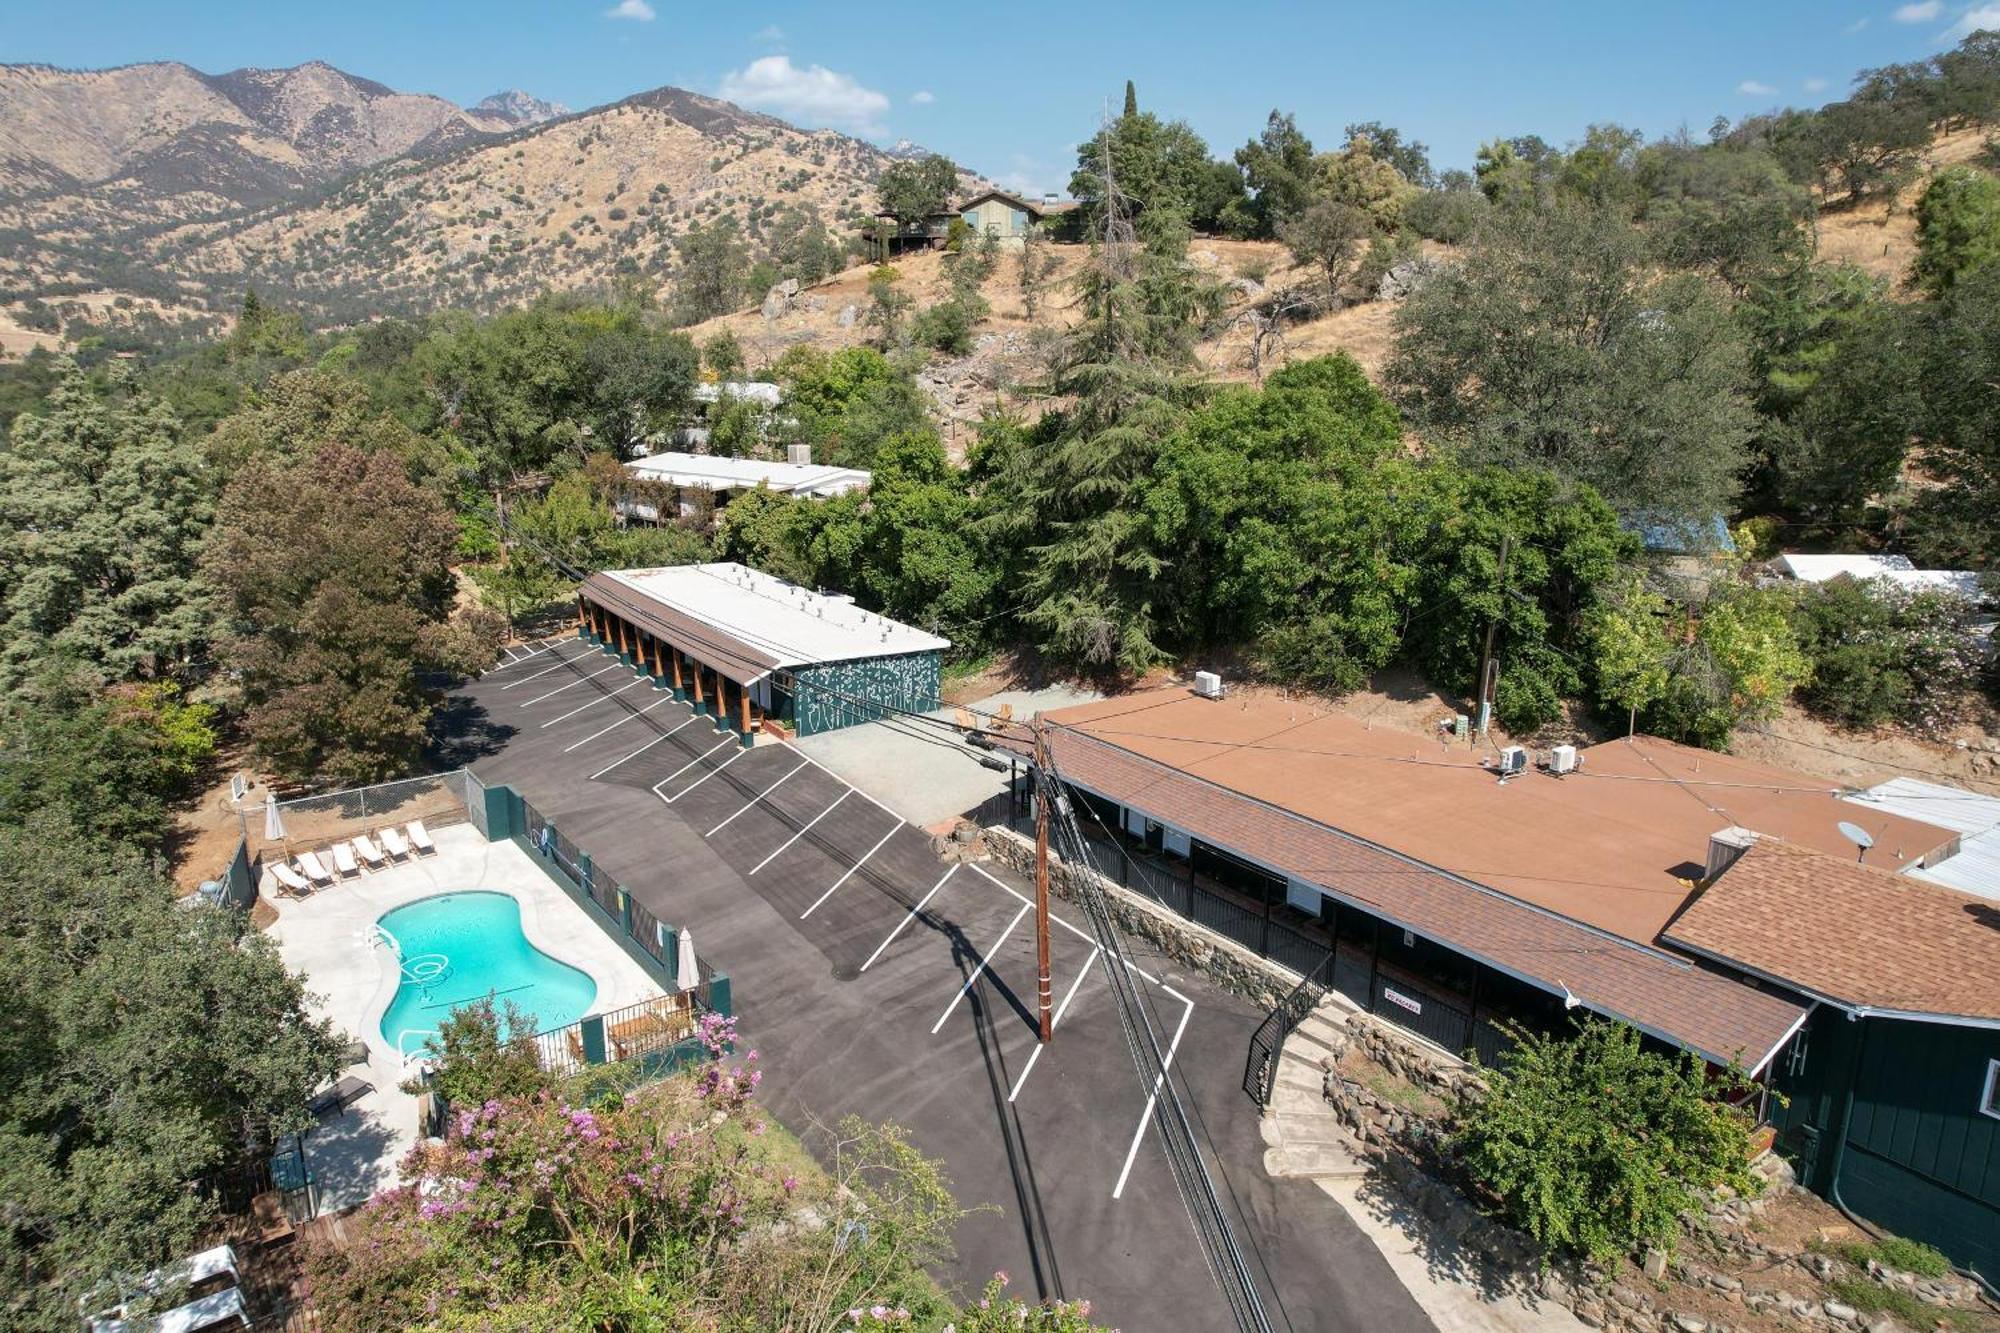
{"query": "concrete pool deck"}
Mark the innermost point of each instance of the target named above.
(327, 936)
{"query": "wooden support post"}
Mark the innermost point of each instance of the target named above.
(680, 689)
(1043, 988)
(625, 636)
(582, 616)
(697, 685)
(743, 700)
(659, 658)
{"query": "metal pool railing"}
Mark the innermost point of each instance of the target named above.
(663, 1030)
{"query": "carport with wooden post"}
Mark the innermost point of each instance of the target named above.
(757, 653)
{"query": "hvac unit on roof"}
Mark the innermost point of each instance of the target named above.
(1563, 759)
(799, 454)
(1208, 685)
(1513, 760)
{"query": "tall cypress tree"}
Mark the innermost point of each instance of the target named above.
(1131, 100)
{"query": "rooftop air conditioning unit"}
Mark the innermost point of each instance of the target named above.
(801, 454)
(1563, 760)
(1513, 760)
(1208, 685)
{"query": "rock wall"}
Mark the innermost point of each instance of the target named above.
(1226, 963)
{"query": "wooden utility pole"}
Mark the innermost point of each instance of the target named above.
(1043, 989)
(1489, 666)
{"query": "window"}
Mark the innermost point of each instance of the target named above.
(1989, 1100)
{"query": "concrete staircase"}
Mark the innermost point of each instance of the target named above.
(1302, 1134)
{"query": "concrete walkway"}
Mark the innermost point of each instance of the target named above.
(1453, 1286)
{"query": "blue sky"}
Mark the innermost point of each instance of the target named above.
(1009, 89)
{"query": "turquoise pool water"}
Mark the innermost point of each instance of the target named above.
(458, 948)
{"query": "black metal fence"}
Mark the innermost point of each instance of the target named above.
(1260, 1070)
(648, 942)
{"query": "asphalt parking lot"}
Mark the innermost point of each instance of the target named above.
(876, 979)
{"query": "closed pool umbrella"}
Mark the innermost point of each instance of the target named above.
(274, 823)
(687, 974)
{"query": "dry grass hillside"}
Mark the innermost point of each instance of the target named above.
(1883, 241)
(1006, 362)
(581, 202)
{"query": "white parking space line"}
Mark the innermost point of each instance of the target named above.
(977, 970)
(755, 799)
(741, 750)
(843, 781)
(911, 917)
(851, 869)
(665, 698)
(572, 685)
(641, 750)
(1074, 930)
(541, 648)
(1165, 1065)
(1055, 1022)
(593, 703)
(690, 764)
(561, 662)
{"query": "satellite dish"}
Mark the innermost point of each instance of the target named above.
(1859, 836)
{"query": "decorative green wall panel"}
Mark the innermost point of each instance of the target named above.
(842, 694)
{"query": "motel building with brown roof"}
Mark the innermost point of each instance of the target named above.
(1713, 903)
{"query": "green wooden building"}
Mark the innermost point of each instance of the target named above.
(752, 650)
(1890, 1103)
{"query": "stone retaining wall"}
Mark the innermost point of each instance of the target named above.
(1228, 964)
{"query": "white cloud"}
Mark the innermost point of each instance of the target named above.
(1979, 16)
(1855, 26)
(770, 32)
(637, 10)
(922, 97)
(1815, 85)
(1919, 11)
(814, 95)
(1752, 88)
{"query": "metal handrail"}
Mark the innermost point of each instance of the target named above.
(1260, 1070)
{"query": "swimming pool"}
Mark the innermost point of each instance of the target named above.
(458, 948)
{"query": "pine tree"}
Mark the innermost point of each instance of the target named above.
(103, 509)
(1131, 100)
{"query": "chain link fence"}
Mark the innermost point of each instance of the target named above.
(311, 822)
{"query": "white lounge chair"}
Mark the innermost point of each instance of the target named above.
(420, 838)
(393, 842)
(290, 881)
(313, 868)
(344, 862)
(369, 852)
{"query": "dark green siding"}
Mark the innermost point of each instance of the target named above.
(1920, 1159)
(841, 694)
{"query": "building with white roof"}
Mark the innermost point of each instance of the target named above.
(1896, 569)
(1974, 816)
(703, 483)
(751, 649)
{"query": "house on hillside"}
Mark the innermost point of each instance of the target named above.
(1007, 218)
(1708, 901)
(696, 487)
(1688, 555)
(1899, 570)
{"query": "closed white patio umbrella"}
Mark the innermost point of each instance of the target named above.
(687, 973)
(274, 823)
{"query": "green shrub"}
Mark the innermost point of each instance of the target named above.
(1595, 1146)
(1912, 1256)
(1881, 653)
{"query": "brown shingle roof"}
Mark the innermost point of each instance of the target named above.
(1616, 845)
(1854, 934)
(1669, 996)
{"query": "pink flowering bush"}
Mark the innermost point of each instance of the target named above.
(669, 1209)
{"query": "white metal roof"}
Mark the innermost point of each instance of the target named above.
(1896, 569)
(792, 625)
(756, 391)
(1975, 868)
(709, 472)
